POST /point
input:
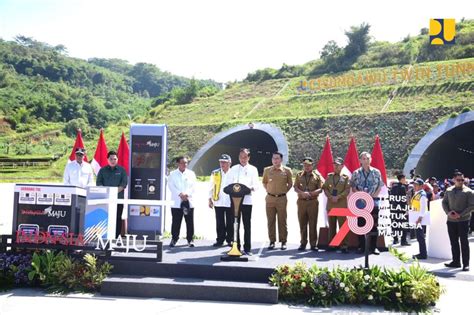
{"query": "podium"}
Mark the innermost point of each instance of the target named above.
(237, 192)
(437, 240)
(100, 217)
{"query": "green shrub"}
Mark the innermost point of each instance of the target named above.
(83, 276)
(412, 289)
(61, 273)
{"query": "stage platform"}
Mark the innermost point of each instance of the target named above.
(198, 272)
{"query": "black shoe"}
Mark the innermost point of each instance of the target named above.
(271, 246)
(465, 268)
(419, 256)
(302, 247)
(191, 244)
(283, 245)
(247, 253)
(314, 248)
(375, 252)
(217, 244)
(405, 243)
(395, 242)
(229, 244)
(172, 243)
(453, 265)
(331, 249)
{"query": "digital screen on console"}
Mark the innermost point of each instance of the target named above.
(146, 160)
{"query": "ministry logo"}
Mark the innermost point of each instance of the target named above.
(442, 31)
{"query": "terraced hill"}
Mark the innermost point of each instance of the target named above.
(418, 87)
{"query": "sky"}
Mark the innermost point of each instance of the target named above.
(214, 39)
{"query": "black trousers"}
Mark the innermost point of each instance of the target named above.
(224, 224)
(118, 222)
(246, 214)
(420, 237)
(373, 234)
(458, 233)
(405, 233)
(177, 217)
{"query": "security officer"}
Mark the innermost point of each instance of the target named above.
(337, 187)
(277, 180)
(308, 186)
(419, 203)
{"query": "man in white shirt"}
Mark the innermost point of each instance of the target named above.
(181, 183)
(220, 201)
(245, 174)
(79, 173)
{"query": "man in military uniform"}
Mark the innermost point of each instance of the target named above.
(308, 186)
(337, 187)
(277, 180)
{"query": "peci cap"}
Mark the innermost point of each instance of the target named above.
(338, 161)
(81, 151)
(307, 160)
(225, 158)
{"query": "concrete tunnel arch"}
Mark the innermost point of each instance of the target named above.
(261, 139)
(448, 146)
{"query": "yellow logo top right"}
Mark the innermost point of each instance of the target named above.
(442, 31)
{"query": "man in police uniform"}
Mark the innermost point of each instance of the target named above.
(277, 180)
(337, 187)
(308, 186)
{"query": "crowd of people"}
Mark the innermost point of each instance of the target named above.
(456, 194)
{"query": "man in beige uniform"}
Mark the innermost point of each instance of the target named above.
(308, 185)
(337, 187)
(277, 180)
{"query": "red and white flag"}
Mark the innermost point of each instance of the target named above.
(324, 167)
(100, 156)
(124, 154)
(351, 161)
(326, 162)
(379, 163)
(78, 144)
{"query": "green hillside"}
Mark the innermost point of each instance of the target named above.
(397, 90)
(40, 83)
(281, 98)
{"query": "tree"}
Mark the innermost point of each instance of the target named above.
(331, 54)
(358, 43)
(331, 49)
(74, 124)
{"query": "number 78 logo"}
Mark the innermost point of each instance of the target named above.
(353, 212)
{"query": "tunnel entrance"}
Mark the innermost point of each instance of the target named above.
(447, 147)
(261, 139)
